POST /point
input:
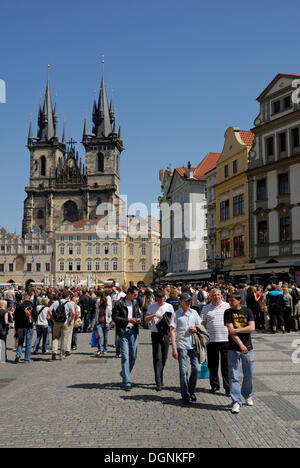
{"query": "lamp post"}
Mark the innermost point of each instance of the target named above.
(219, 265)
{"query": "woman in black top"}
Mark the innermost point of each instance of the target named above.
(3, 330)
(253, 304)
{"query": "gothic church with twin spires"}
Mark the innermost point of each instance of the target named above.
(61, 187)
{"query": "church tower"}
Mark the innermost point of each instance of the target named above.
(61, 188)
(45, 153)
(103, 149)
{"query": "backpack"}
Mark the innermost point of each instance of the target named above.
(295, 295)
(29, 315)
(200, 296)
(275, 303)
(3, 327)
(59, 315)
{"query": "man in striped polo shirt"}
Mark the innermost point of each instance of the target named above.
(212, 316)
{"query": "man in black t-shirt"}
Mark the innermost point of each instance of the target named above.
(240, 323)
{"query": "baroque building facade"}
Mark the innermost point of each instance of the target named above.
(87, 255)
(28, 259)
(232, 208)
(274, 174)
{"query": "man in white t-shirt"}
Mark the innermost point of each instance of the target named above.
(160, 338)
(212, 317)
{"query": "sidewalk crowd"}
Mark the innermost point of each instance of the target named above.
(210, 323)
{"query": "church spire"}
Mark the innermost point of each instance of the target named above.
(102, 118)
(47, 121)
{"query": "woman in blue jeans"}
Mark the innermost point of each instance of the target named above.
(42, 327)
(103, 320)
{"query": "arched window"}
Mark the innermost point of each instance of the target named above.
(70, 212)
(100, 162)
(43, 165)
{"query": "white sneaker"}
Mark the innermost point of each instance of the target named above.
(235, 408)
(249, 401)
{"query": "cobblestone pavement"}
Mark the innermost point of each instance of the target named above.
(78, 402)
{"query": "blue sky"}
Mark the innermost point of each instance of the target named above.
(180, 74)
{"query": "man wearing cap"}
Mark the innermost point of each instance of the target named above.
(183, 325)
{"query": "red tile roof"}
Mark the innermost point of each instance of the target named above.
(207, 164)
(247, 137)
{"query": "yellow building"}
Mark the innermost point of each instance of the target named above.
(83, 258)
(232, 217)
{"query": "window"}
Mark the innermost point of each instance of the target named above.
(238, 246)
(89, 237)
(285, 229)
(97, 265)
(71, 238)
(282, 142)
(106, 249)
(97, 249)
(61, 250)
(47, 267)
(89, 250)
(143, 266)
(234, 166)
(115, 249)
(78, 265)
(226, 171)
(276, 107)
(283, 184)
(11, 267)
(62, 238)
(100, 162)
(131, 266)
(143, 250)
(238, 205)
(115, 265)
(224, 210)
(131, 251)
(89, 265)
(78, 238)
(262, 232)
(38, 267)
(106, 265)
(270, 146)
(40, 214)
(70, 250)
(70, 265)
(78, 250)
(225, 248)
(261, 189)
(1, 267)
(28, 266)
(43, 165)
(287, 102)
(61, 266)
(295, 137)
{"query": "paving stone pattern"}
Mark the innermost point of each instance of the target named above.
(78, 402)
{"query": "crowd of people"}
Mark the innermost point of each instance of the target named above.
(210, 322)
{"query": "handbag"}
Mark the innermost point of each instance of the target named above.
(163, 326)
(204, 371)
(94, 339)
(78, 323)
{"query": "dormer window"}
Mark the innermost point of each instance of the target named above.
(287, 102)
(276, 107)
